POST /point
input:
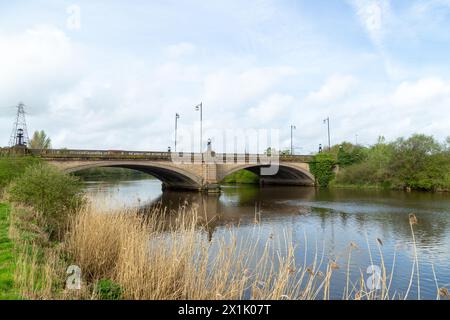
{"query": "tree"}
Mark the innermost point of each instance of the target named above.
(418, 162)
(40, 141)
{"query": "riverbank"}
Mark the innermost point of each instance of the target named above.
(7, 256)
(381, 186)
(11, 167)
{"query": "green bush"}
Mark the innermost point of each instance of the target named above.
(242, 177)
(109, 290)
(12, 167)
(418, 162)
(322, 167)
(349, 154)
(53, 194)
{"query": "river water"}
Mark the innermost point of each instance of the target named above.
(325, 221)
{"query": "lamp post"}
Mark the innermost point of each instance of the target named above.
(292, 145)
(177, 116)
(327, 121)
(199, 107)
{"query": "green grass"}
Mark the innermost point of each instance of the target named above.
(7, 261)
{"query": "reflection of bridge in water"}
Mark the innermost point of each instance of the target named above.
(234, 206)
(188, 171)
(326, 210)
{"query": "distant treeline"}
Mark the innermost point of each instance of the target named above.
(417, 163)
(110, 173)
(242, 177)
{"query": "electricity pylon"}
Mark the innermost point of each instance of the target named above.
(19, 134)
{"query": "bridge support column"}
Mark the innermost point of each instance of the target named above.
(209, 171)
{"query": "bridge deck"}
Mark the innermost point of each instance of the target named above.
(154, 155)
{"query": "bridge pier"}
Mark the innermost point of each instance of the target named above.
(212, 188)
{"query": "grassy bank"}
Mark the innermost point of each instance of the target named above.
(7, 258)
(10, 168)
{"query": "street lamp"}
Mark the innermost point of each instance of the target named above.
(199, 107)
(177, 116)
(327, 121)
(292, 146)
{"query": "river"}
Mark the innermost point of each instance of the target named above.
(325, 221)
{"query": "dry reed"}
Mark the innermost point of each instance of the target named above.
(163, 255)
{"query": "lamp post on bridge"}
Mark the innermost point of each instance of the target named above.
(199, 107)
(327, 121)
(292, 145)
(177, 116)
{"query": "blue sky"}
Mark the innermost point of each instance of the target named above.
(116, 79)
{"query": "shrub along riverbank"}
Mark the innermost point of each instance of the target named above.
(12, 167)
(417, 163)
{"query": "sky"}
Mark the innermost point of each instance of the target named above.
(112, 74)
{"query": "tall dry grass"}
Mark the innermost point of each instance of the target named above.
(165, 256)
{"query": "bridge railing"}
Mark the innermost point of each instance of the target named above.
(164, 156)
(101, 154)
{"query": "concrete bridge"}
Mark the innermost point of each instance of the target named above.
(187, 171)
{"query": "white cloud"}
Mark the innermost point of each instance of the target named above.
(421, 92)
(36, 62)
(234, 89)
(180, 49)
(335, 88)
(271, 109)
(373, 15)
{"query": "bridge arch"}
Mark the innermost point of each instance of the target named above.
(288, 174)
(171, 177)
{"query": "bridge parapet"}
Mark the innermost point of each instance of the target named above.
(164, 156)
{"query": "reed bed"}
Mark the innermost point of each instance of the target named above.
(168, 256)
